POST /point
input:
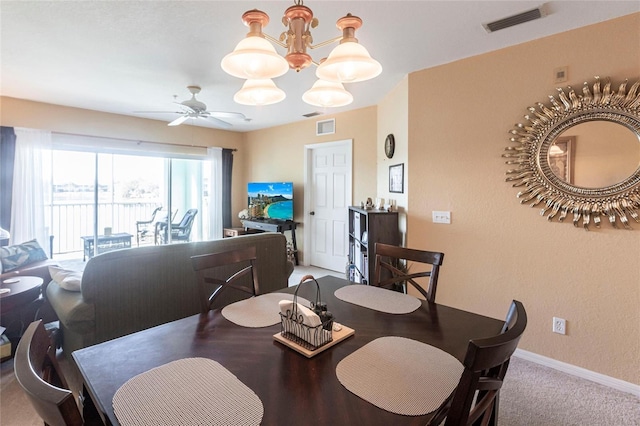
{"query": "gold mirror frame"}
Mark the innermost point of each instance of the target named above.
(617, 202)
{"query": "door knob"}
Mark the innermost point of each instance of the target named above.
(312, 213)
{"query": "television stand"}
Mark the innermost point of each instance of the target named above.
(275, 226)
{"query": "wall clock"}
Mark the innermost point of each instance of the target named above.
(389, 145)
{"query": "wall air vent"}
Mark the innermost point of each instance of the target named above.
(518, 19)
(325, 127)
(312, 114)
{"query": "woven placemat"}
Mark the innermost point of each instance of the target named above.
(192, 391)
(259, 311)
(400, 375)
(379, 299)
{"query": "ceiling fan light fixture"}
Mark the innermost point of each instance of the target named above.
(259, 92)
(349, 62)
(326, 94)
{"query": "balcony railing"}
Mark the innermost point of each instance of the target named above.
(70, 221)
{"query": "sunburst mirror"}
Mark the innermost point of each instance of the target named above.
(579, 155)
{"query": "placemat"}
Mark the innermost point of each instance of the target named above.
(259, 311)
(191, 391)
(379, 299)
(400, 375)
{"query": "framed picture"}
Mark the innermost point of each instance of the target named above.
(396, 178)
(560, 158)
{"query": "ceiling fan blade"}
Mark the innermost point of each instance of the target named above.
(225, 114)
(158, 112)
(219, 122)
(178, 121)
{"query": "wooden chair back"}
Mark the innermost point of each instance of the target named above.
(388, 274)
(38, 373)
(475, 399)
(204, 264)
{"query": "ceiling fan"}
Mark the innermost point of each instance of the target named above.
(193, 108)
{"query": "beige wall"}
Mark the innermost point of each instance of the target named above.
(393, 118)
(56, 118)
(496, 249)
(277, 154)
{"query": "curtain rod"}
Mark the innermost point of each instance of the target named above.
(139, 141)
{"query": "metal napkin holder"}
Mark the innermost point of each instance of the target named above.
(292, 327)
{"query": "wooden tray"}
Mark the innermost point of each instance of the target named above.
(338, 336)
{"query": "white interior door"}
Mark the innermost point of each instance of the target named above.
(328, 190)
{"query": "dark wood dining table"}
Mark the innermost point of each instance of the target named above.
(294, 389)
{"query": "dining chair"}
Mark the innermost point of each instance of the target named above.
(144, 227)
(475, 399)
(38, 373)
(206, 265)
(390, 274)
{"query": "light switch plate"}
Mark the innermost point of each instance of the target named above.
(441, 216)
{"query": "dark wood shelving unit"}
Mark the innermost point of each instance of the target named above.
(367, 227)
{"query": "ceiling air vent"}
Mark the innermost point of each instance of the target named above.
(312, 114)
(518, 19)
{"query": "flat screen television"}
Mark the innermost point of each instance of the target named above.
(270, 200)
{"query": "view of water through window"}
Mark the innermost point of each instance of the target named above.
(129, 188)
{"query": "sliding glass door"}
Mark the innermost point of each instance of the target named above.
(98, 193)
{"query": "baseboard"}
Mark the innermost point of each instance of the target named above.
(583, 373)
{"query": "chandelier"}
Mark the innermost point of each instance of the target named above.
(256, 60)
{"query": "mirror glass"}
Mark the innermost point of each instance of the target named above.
(595, 154)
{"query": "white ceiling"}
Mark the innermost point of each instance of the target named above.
(125, 56)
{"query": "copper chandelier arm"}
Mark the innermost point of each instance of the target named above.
(324, 43)
(315, 46)
(274, 40)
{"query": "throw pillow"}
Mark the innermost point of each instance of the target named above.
(68, 280)
(13, 257)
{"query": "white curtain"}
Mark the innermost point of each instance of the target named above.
(31, 187)
(214, 156)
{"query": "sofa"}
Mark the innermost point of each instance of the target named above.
(132, 289)
(40, 268)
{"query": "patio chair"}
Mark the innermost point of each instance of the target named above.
(144, 228)
(180, 231)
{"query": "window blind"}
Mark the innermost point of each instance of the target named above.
(72, 142)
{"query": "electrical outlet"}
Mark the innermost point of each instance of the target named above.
(559, 325)
(441, 217)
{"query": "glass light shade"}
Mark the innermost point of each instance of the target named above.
(254, 58)
(349, 62)
(259, 92)
(327, 94)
